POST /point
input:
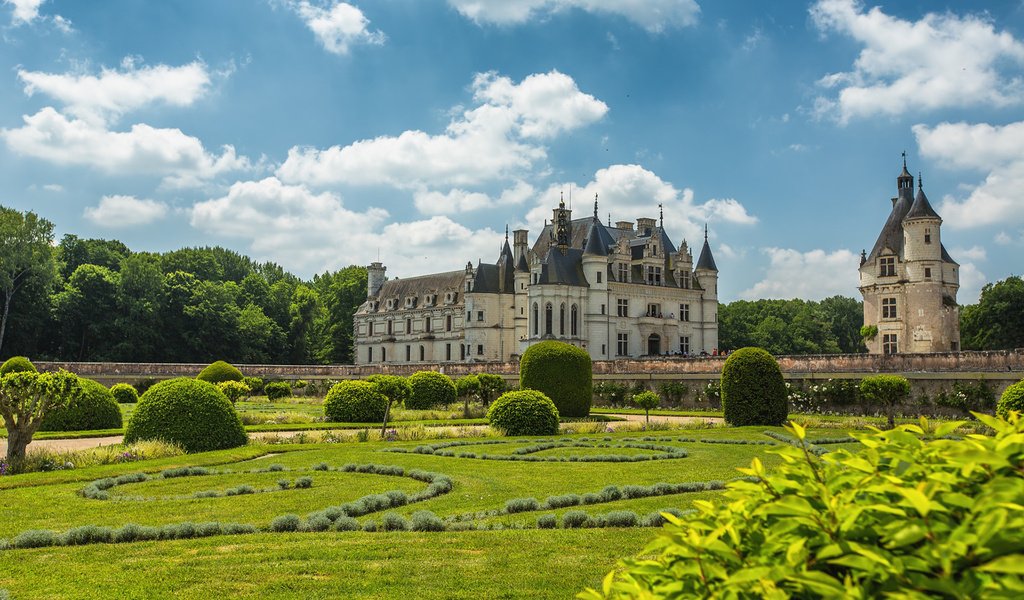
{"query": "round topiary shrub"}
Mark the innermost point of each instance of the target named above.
(526, 412)
(430, 389)
(275, 390)
(753, 391)
(191, 413)
(220, 371)
(234, 390)
(94, 409)
(1012, 399)
(562, 372)
(17, 364)
(124, 393)
(355, 402)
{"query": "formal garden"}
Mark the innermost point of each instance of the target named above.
(433, 487)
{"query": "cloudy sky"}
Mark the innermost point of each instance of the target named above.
(319, 133)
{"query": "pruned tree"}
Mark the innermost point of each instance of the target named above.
(26, 398)
(26, 251)
(396, 389)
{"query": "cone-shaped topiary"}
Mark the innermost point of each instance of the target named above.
(526, 412)
(430, 389)
(220, 371)
(17, 364)
(124, 393)
(191, 413)
(94, 409)
(753, 391)
(562, 372)
(1012, 399)
(355, 402)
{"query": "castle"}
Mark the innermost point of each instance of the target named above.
(909, 280)
(613, 291)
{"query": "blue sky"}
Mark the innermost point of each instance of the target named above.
(319, 134)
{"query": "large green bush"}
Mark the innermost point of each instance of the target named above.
(124, 393)
(526, 412)
(888, 391)
(95, 408)
(17, 364)
(191, 413)
(1012, 399)
(275, 390)
(355, 402)
(753, 391)
(430, 389)
(562, 372)
(908, 516)
(220, 371)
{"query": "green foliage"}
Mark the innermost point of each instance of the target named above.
(220, 371)
(124, 393)
(611, 392)
(17, 364)
(907, 516)
(1011, 400)
(191, 413)
(255, 385)
(425, 520)
(355, 402)
(467, 386)
(792, 326)
(430, 389)
(885, 390)
(562, 372)
(996, 322)
(868, 332)
(95, 408)
(25, 400)
(648, 401)
(275, 390)
(753, 391)
(968, 396)
(673, 391)
(526, 412)
(27, 255)
(396, 389)
(491, 386)
(234, 390)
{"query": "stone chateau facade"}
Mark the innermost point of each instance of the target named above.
(616, 292)
(909, 281)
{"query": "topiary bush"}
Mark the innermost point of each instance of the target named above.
(191, 413)
(526, 412)
(562, 372)
(220, 371)
(430, 389)
(355, 402)
(17, 364)
(234, 390)
(753, 391)
(491, 386)
(888, 391)
(911, 515)
(275, 390)
(95, 408)
(648, 401)
(124, 393)
(1012, 399)
(255, 385)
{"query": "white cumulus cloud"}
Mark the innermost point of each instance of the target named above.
(125, 211)
(338, 27)
(940, 61)
(811, 275)
(655, 16)
(26, 12)
(459, 201)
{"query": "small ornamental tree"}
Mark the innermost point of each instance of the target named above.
(396, 389)
(526, 412)
(491, 386)
(275, 390)
(189, 412)
(124, 393)
(1012, 399)
(26, 398)
(220, 371)
(430, 389)
(647, 401)
(17, 364)
(255, 385)
(753, 391)
(561, 371)
(355, 402)
(888, 391)
(234, 390)
(94, 408)
(467, 387)
(909, 515)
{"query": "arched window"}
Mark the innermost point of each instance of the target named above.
(574, 320)
(561, 320)
(547, 318)
(536, 319)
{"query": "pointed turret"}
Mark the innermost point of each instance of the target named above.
(706, 262)
(921, 208)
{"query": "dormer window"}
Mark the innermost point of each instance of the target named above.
(410, 302)
(684, 280)
(887, 266)
(449, 298)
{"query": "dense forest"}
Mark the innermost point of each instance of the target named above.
(97, 300)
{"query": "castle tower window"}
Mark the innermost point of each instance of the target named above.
(561, 320)
(890, 343)
(622, 304)
(623, 272)
(447, 351)
(536, 319)
(927, 235)
(547, 319)
(887, 266)
(422, 353)
(684, 312)
(408, 353)
(426, 324)
(654, 310)
(927, 272)
(622, 348)
(479, 315)
(479, 349)
(390, 327)
(383, 355)
(888, 308)
(599, 277)
(408, 325)
(684, 345)
(369, 355)
(448, 323)
(575, 321)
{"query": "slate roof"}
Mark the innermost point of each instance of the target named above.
(892, 232)
(563, 268)
(921, 209)
(596, 246)
(706, 260)
(437, 283)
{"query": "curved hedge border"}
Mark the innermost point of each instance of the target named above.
(523, 454)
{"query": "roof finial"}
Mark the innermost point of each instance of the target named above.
(506, 232)
(561, 199)
(609, 219)
(595, 206)
(904, 159)
(705, 232)
(920, 181)
(661, 214)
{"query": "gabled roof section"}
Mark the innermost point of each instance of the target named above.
(565, 268)
(487, 279)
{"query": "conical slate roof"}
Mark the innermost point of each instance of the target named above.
(921, 208)
(706, 261)
(596, 245)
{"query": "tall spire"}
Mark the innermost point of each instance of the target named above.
(595, 207)
(661, 215)
(920, 181)
(905, 181)
(506, 232)
(705, 232)
(562, 229)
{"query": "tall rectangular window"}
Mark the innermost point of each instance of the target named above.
(479, 315)
(684, 344)
(599, 277)
(408, 353)
(653, 275)
(654, 310)
(888, 308)
(479, 349)
(623, 307)
(623, 272)
(426, 324)
(684, 281)
(927, 236)
(623, 344)
(927, 272)
(369, 355)
(890, 344)
(447, 351)
(684, 312)
(887, 266)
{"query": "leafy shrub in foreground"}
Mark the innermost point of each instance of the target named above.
(355, 402)
(17, 364)
(191, 413)
(907, 516)
(218, 372)
(430, 389)
(95, 408)
(124, 393)
(648, 401)
(275, 390)
(1012, 399)
(526, 412)
(753, 391)
(562, 372)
